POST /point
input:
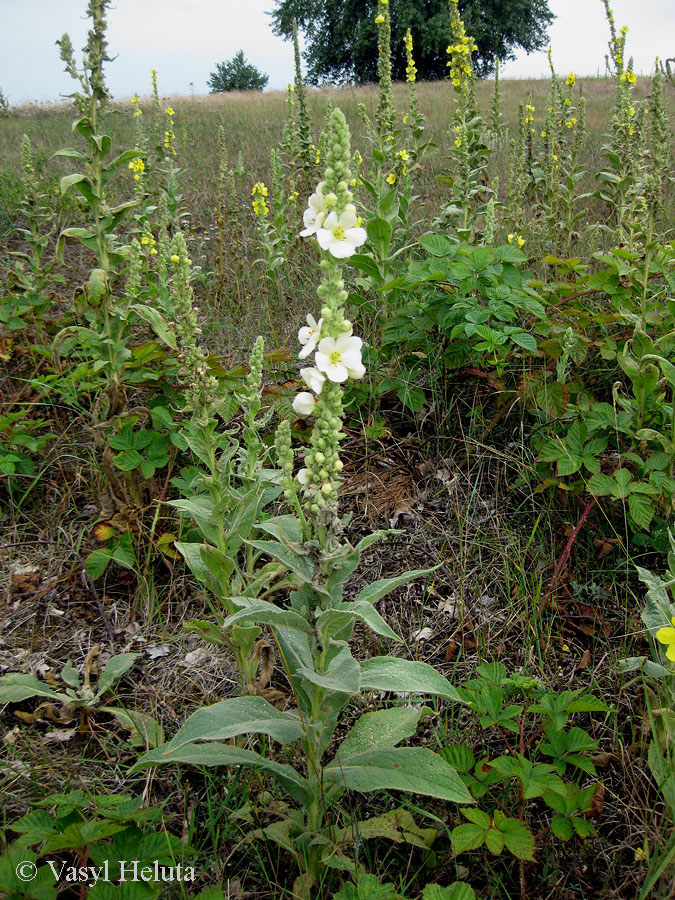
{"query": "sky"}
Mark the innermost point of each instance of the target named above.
(184, 39)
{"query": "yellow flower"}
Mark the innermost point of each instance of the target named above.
(666, 636)
(175, 259)
(405, 120)
(458, 141)
(403, 154)
(631, 111)
(145, 240)
(169, 111)
(391, 178)
(379, 20)
(543, 134)
(571, 79)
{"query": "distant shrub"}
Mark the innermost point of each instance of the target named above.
(236, 75)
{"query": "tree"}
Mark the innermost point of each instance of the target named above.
(236, 75)
(341, 35)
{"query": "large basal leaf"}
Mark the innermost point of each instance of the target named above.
(382, 728)
(294, 784)
(413, 769)
(386, 673)
(384, 586)
(16, 687)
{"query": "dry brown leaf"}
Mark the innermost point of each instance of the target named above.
(585, 660)
(598, 801)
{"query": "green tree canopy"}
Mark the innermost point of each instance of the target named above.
(341, 35)
(236, 75)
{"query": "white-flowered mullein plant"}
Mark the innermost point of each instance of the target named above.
(329, 342)
(312, 627)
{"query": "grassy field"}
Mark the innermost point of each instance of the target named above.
(517, 318)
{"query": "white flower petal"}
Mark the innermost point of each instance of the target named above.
(348, 219)
(304, 403)
(302, 476)
(356, 236)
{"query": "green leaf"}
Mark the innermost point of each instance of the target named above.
(562, 827)
(300, 565)
(414, 769)
(458, 890)
(517, 836)
(260, 612)
(437, 245)
(230, 718)
(525, 340)
(379, 235)
(367, 265)
(378, 589)
(114, 669)
(467, 837)
(283, 528)
(382, 728)
(97, 562)
(16, 687)
(212, 754)
(342, 676)
(386, 673)
(157, 322)
(641, 510)
(459, 756)
(145, 729)
(343, 613)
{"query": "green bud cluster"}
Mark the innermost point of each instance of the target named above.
(284, 448)
(338, 157)
(253, 380)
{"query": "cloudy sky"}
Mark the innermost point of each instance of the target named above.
(183, 39)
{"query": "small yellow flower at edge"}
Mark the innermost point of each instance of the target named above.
(666, 636)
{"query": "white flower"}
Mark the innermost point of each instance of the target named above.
(340, 359)
(309, 335)
(340, 235)
(302, 476)
(315, 212)
(304, 403)
(313, 379)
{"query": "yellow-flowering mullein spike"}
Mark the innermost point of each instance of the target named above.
(137, 166)
(414, 119)
(385, 110)
(459, 51)
(260, 193)
(155, 93)
(169, 133)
